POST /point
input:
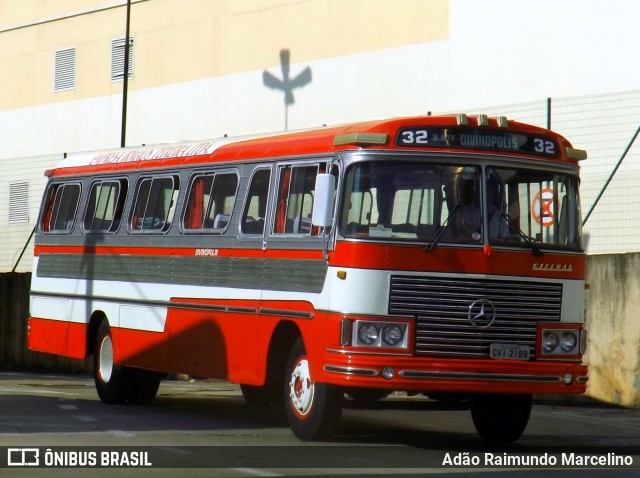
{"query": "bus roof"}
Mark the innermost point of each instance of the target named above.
(453, 132)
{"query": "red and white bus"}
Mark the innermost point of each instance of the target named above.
(435, 255)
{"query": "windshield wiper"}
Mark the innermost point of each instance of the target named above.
(443, 227)
(514, 225)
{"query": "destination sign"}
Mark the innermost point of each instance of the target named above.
(477, 139)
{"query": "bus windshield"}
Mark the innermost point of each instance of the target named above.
(463, 203)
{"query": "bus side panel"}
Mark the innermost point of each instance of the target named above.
(141, 348)
(218, 344)
(140, 338)
(57, 337)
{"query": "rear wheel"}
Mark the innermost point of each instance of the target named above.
(117, 384)
(143, 386)
(501, 418)
(312, 408)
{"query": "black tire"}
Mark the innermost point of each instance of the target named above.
(501, 418)
(142, 386)
(117, 384)
(313, 409)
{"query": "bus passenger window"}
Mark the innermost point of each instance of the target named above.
(60, 212)
(210, 203)
(295, 200)
(154, 204)
(104, 209)
(255, 206)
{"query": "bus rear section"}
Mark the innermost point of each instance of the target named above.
(432, 255)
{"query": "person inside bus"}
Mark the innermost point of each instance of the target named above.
(469, 223)
(470, 215)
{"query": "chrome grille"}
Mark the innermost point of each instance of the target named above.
(441, 307)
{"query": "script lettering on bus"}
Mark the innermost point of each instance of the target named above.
(206, 252)
(538, 266)
(147, 154)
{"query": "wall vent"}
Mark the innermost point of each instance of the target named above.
(117, 59)
(65, 70)
(18, 202)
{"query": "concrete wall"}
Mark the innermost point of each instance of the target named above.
(613, 324)
(14, 311)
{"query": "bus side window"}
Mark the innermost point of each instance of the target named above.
(105, 206)
(154, 204)
(198, 202)
(62, 204)
(210, 203)
(255, 207)
(295, 200)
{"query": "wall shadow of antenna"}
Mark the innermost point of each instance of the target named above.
(286, 84)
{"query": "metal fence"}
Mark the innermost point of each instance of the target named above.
(604, 125)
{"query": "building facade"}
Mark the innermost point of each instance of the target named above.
(205, 68)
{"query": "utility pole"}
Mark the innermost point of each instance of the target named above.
(125, 79)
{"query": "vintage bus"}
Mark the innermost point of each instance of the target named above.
(434, 255)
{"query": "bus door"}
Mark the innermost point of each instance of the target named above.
(295, 263)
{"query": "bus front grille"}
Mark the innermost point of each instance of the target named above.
(455, 316)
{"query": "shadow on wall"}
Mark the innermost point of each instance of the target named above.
(286, 84)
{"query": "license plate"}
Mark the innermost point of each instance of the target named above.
(509, 352)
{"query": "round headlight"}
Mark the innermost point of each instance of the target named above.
(392, 335)
(568, 341)
(549, 342)
(368, 334)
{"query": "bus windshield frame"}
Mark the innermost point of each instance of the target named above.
(464, 202)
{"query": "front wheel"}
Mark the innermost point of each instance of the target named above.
(118, 384)
(501, 418)
(312, 408)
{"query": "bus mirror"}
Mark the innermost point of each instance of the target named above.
(323, 200)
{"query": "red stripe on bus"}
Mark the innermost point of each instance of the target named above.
(176, 251)
(461, 260)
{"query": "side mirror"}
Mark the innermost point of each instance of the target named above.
(323, 200)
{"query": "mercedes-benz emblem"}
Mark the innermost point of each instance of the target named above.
(482, 313)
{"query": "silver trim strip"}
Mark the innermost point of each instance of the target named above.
(183, 305)
(490, 377)
(382, 353)
(286, 313)
(368, 372)
(156, 303)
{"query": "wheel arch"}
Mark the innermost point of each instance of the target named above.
(282, 339)
(92, 330)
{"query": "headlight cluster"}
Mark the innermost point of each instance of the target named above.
(380, 334)
(560, 342)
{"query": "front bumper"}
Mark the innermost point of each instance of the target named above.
(455, 375)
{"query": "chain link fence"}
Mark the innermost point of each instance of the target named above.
(604, 125)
